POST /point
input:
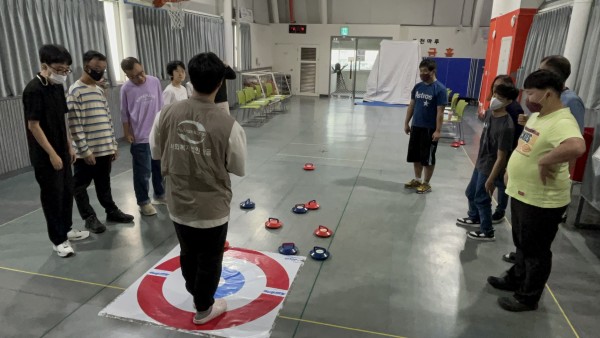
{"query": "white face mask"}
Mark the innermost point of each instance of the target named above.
(496, 104)
(57, 78)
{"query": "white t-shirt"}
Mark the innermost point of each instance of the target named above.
(173, 94)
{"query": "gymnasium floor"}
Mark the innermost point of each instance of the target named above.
(400, 267)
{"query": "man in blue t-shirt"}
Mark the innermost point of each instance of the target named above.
(426, 109)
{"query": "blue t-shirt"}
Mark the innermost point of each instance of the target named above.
(427, 98)
(574, 102)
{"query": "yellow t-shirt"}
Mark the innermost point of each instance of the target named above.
(540, 136)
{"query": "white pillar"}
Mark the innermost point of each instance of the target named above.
(227, 21)
(275, 11)
(324, 12)
(476, 21)
(576, 36)
(238, 37)
(127, 30)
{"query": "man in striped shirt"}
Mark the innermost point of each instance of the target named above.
(93, 135)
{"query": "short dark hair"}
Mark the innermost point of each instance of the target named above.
(507, 91)
(92, 54)
(506, 79)
(129, 63)
(50, 54)
(544, 79)
(172, 66)
(206, 72)
(558, 64)
(429, 63)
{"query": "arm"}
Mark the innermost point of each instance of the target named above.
(409, 114)
(230, 74)
(439, 120)
(569, 150)
(499, 166)
(125, 117)
(76, 132)
(40, 137)
(236, 152)
(154, 139)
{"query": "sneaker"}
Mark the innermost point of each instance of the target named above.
(77, 235)
(413, 184)
(64, 249)
(94, 225)
(147, 210)
(513, 305)
(423, 188)
(501, 283)
(217, 309)
(159, 201)
(497, 217)
(468, 221)
(117, 216)
(480, 236)
(510, 257)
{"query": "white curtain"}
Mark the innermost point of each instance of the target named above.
(395, 72)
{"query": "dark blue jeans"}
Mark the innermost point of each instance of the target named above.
(145, 167)
(480, 202)
(502, 199)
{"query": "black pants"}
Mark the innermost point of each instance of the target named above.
(83, 176)
(201, 260)
(56, 195)
(533, 231)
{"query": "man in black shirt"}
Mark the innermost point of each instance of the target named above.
(50, 150)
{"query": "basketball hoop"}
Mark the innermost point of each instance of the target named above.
(174, 9)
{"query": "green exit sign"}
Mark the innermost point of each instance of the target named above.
(344, 31)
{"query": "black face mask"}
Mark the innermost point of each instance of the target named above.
(97, 76)
(425, 77)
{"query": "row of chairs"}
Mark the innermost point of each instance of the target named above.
(256, 105)
(453, 116)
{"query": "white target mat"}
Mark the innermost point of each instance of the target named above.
(253, 283)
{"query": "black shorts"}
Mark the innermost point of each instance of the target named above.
(421, 147)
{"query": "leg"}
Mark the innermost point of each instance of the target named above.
(81, 181)
(502, 197)
(102, 181)
(428, 172)
(67, 198)
(428, 150)
(188, 256)
(51, 198)
(483, 202)
(473, 212)
(141, 173)
(518, 212)
(418, 170)
(157, 180)
(210, 261)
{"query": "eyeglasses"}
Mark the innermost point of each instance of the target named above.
(61, 71)
(139, 75)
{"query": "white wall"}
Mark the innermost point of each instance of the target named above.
(262, 45)
(502, 7)
(449, 37)
(203, 6)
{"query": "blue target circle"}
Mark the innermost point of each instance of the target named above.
(234, 282)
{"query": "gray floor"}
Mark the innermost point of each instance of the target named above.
(400, 267)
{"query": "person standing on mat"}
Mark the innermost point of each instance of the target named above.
(514, 110)
(426, 110)
(198, 147)
(539, 187)
(50, 148)
(561, 66)
(91, 129)
(141, 100)
(175, 91)
(495, 146)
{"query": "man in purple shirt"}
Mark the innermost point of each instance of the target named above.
(141, 100)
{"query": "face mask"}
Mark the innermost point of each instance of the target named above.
(496, 104)
(535, 107)
(425, 77)
(57, 78)
(97, 76)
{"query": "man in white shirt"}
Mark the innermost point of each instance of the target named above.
(175, 91)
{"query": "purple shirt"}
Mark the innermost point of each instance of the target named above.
(139, 106)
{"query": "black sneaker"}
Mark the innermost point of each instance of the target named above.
(468, 221)
(510, 257)
(513, 305)
(497, 217)
(501, 283)
(94, 225)
(480, 236)
(117, 216)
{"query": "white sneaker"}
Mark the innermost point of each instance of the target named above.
(64, 249)
(218, 308)
(147, 210)
(77, 235)
(159, 201)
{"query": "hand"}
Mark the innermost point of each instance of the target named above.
(490, 187)
(72, 154)
(522, 119)
(90, 160)
(436, 136)
(115, 156)
(407, 129)
(546, 172)
(57, 162)
(129, 138)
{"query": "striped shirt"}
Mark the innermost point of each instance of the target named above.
(90, 122)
